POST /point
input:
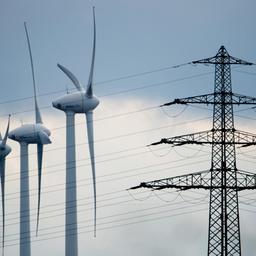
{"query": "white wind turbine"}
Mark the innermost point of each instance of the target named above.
(29, 134)
(82, 101)
(4, 151)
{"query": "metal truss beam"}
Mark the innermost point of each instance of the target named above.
(245, 180)
(242, 138)
(208, 99)
(222, 57)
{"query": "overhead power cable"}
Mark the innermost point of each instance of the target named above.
(133, 112)
(121, 92)
(120, 225)
(178, 203)
(72, 207)
(198, 202)
(114, 80)
(108, 180)
(85, 159)
(203, 198)
(121, 136)
(109, 174)
(122, 197)
(102, 82)
(83, 165)
(245, 72)
(112, 226)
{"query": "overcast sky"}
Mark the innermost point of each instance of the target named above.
(132, 37)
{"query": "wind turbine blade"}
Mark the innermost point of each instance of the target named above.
(38, 115)
(39, 162)
(6, 133)
(2, 175)
(71, 76)
(89, 122)
(89, 90)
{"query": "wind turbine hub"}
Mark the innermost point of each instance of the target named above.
(5, 150)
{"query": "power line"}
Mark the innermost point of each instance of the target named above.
(128, 113)
(112, 226)
(100, 82)
(121, 225)
(86, 209)
(130, 149)
(121, 92)
(87, 165)
(203, 198)
(156, 207)
(72, 207)
(98, 162)
(245, 72)
(141, 110)
(113, 179)
(120, 136)
(110, 174)
(120, 214)
(55, 204)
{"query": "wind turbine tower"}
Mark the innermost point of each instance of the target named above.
(82, 101)
(25, 135)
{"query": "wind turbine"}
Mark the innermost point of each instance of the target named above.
(82, 101)
(29, 134)
(4, 151)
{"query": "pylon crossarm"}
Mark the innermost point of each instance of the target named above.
(222, 57)
(183, 182)
(244, 139)
(235, 99)
(246, 180)
(199, 180)
(199, 138)
(239, 99)
(231, 61)
(200, 99)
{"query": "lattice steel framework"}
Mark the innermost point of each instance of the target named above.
(223, 179)
(224, 230)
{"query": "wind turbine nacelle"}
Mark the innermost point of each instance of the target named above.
(31, 134)
(77, 102)
(4, 150)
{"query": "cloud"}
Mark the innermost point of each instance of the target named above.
(121, 136)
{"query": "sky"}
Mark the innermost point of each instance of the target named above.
(137, 44)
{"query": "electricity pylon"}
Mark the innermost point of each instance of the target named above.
(223, 179)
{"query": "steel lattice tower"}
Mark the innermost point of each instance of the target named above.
(223, 179)
(224, 231)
